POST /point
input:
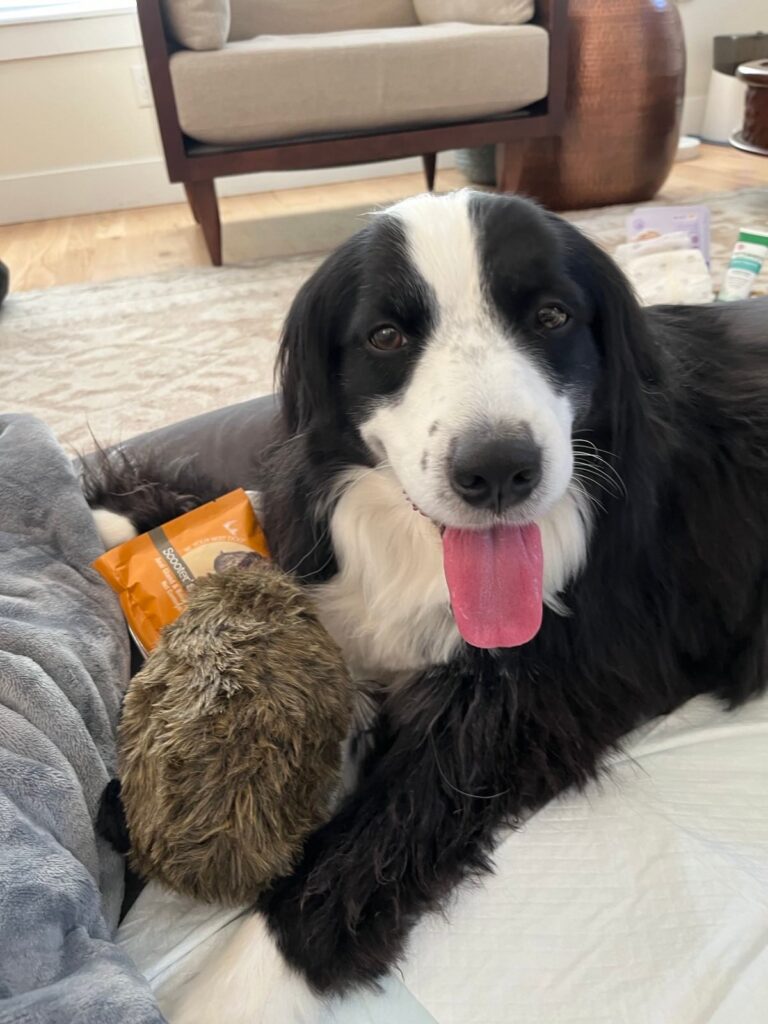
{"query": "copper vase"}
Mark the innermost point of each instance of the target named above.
(626, 78)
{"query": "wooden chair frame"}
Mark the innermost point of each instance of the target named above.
(197, 166)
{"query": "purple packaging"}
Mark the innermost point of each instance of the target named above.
(652, 221)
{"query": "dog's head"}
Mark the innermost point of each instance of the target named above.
(464, 339)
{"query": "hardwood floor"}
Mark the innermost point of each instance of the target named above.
(124, 243)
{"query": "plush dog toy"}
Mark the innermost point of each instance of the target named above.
(230, 737)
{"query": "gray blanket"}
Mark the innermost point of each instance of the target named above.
(63, 664)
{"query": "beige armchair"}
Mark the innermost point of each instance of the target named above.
(249, 85)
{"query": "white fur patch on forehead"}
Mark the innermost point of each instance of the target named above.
(441, 242)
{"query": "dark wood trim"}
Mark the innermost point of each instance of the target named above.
(359, 149)
(191, 199)
(430, 165)
(157, 51)
(205, 207)
(510, 157)
(553, 15)
(190, 162)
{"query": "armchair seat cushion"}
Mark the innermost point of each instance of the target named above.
(281, 87)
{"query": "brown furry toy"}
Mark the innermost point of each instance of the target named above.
(230, 738)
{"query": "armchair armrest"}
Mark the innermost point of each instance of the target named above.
(553, 16)
(157, 50)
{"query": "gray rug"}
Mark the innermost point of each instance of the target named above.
(117, 358)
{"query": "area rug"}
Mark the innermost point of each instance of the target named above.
(110, 360)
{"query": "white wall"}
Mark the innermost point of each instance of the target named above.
(75, 140)
(702, 21)
(72, 110)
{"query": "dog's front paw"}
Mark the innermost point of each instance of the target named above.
(339, 936)
(248, 983)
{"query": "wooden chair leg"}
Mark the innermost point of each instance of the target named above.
(510, 157)
(205, 206)
(191, 200)
(430, 163)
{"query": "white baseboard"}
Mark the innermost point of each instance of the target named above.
(693, 114)
(119, 186)
(86, 189)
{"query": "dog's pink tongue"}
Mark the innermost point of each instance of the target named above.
(494, 579)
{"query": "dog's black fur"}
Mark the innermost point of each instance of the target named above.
(672, 602)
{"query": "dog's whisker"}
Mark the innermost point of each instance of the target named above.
(592, 499)
(596, 467)
(601, 468)
(306, 555)
(600, 484)
(591, 451)
(587, 473)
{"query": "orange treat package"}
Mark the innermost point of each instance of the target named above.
(151, 574)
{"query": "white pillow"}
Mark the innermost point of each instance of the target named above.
(198, 24)
(477, 12)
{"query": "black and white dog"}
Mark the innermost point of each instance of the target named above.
(533, 513)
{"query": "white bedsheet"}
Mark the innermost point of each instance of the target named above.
(643, 900)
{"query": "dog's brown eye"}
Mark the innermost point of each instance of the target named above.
(552, 317)
(386, 338)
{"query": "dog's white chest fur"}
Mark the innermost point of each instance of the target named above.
(388, 606)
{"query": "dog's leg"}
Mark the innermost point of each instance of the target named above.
(249, 983)
(113, 528)
(131, 495)
(460, 757)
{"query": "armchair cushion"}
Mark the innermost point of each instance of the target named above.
(198, 24)
(476, 12)
(279, 87)
(288, 17)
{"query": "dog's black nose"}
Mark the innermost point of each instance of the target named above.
(495, 474)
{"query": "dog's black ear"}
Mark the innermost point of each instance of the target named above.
(627, 399)
(308, 361)
(619, 323)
